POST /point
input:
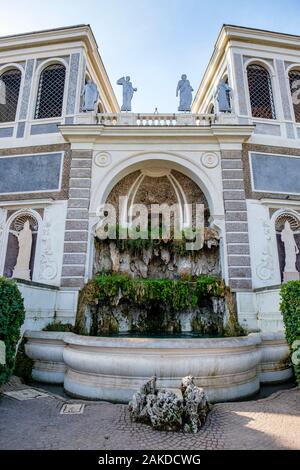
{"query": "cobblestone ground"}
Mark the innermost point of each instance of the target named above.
(271, 423)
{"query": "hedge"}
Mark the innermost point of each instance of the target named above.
(290, 308)
(12, 315)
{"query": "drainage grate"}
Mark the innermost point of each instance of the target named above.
(26, 394)
(72, 409)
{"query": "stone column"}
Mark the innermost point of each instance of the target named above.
(76, 231)
(237, 238)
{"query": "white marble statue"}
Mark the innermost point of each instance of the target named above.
(128, 91)
(222, 97)
(21, 269)
(185, 91)
(290, 248)
(90, 96)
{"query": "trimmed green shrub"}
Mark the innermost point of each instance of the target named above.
(290, 308)
(12, 315)
(23, 364)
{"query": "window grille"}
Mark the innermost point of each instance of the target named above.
(50, 92)
(260, 90)
(294, 77)
(9, 94)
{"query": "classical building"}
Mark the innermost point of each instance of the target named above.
(58, 163)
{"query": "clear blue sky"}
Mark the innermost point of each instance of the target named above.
(153, 41)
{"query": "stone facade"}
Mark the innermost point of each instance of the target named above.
(206, 160)
(77, 221)
(239, 266)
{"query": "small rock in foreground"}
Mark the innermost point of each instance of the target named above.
(165, 410)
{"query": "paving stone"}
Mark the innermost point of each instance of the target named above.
(272, 423)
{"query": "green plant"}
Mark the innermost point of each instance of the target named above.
(23, 364)
(176, 295)
(12, 315)
(59, 326)
(290, 308)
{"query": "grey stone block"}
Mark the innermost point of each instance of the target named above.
(236, 216)
(234, 195)
(69, 120)
(232, 164)
(267, 129)
(82, 154)
(39, 172)
(77, 236)
(237, 238)
(6, 131)
(73, 271)
(81, 163)
(80, 183)
(236, 260)
(290, 130)
(228, 154)
(240, 284)
(77, 225)
(232, 174)
(72, 282)
(79, 203)
(80, 173)
(275, 173)
(26, 88)
(73, 78)
(240, 272)
(78, 247)
(50, 128)
(77, 193)
(233, 184)
(74, 258)
(238, 249)
(77, 214)
(240, 80)
(235, 206)
(20, 130)
(236, 227)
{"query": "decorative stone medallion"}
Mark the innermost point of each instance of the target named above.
(102, 158)
(209, 160)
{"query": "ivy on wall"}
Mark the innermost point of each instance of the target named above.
(178, 295)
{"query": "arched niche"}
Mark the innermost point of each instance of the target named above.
(14, 226)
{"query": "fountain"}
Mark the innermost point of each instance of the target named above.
(154, 308)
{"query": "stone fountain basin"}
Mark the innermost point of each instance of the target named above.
(113, 368)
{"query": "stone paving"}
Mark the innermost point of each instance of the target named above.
(271, 423)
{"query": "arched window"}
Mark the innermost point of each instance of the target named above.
(294, 78)
(14, 245)
(9, 94)
(260, 91)
(211, 109)
(50, 94)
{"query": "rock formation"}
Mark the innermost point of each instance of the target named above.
(166, 410)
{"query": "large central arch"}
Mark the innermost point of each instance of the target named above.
(138, 161)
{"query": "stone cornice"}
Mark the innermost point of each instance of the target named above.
(179, 134)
